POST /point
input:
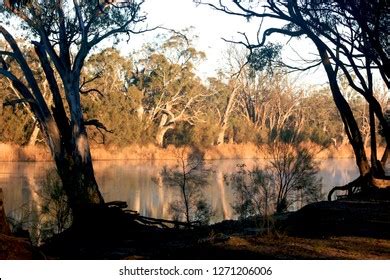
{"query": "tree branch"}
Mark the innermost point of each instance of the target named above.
(96, 123)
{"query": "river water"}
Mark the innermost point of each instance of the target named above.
(139, 184)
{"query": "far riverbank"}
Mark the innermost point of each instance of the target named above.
(16, 153)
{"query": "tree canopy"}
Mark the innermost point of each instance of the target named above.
(350, 41)
(63, 34)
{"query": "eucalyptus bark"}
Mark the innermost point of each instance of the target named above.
(226, 115)
(75, 162)
(160, 135)
(66, 137)
(34, 135)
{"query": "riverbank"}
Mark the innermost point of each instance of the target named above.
(366, 237)
(13, 153)
(323, 230)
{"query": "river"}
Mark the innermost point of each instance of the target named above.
(139, 184)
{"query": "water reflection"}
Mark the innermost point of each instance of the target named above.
(140, 185)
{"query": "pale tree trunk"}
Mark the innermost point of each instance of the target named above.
(226, 208)
(263, 121)
(366, 141)
(34, 135)
(49, 100)
(140, 111)
(221, 136)
(164, 125)
(225, 118)
(161, 134)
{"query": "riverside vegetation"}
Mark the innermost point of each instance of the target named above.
(60, 87)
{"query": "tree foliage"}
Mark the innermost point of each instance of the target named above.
(62, 35)
(350, 42)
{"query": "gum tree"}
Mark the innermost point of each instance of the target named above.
(171, 92)
(350, 39)
(63, 34)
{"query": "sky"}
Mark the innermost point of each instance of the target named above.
(208, 25)
(211, 26)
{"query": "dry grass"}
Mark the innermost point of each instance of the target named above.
(11, 152)
(134, 152)
(234, 151)
(286, 247)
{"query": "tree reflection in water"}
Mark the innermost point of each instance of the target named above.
(132, 181)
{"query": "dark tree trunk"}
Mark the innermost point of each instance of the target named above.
(385, 155)
(75, 163)
(79, 182)
(374, 158)
(350, 125)
(70, 148)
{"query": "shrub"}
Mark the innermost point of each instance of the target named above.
(288, 178)
(55, 211)
(190, 176)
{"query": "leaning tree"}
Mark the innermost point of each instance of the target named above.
(63, 34)
(351, 38)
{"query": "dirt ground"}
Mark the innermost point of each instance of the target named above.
(286, 247)
(325, 230)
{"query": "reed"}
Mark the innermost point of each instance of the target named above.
(12, 152)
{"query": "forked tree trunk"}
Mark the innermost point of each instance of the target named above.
(351, 127)
(75, 163)
(366, 178)
(68, 142)
(226, 115)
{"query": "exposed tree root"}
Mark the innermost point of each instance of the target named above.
(364, 187)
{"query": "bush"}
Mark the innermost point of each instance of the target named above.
(294, 174)
(289, 177)
(252, 192)
(55, 211)
(190, 176)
